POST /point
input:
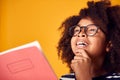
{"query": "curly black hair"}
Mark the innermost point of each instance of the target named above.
(103, 14)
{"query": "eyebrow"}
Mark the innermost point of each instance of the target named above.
(86, 25)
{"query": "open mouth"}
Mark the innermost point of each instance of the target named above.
(81, 44)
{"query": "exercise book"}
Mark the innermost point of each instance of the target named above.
(26, 62)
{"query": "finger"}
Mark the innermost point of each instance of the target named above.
(83, 53)
(73, 61)
(78, 54)
(81, 59)
(77, 57)
(76, 61)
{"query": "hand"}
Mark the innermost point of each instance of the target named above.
(81, 65)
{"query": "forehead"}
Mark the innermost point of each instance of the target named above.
(85, 22)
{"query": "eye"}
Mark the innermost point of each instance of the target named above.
(76, 30)
(92, 29)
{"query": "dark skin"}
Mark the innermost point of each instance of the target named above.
(88, 60)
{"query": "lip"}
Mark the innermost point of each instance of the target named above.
(80, 44)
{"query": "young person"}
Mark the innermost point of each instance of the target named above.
(90, 43)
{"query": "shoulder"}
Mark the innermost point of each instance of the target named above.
(69, 76)
(109, 76)
(113, 76)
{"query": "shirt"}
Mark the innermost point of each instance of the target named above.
(109, 76)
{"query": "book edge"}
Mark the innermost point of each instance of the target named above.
(30, 44)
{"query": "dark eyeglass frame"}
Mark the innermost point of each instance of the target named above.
(71, 30)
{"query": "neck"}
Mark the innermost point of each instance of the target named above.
(97, 69)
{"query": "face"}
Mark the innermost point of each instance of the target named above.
(95, 45)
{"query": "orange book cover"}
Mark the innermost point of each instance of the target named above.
(26, 62)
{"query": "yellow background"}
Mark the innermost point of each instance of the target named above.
(23, 21)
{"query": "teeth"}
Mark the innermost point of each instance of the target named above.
(81, 43)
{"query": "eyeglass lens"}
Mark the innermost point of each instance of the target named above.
(89, 30)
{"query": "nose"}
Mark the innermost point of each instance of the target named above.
(82, 32)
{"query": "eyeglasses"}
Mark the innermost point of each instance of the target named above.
(89, 30)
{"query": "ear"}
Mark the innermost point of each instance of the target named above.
(109, 45)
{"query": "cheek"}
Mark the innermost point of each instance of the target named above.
(97, 46)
